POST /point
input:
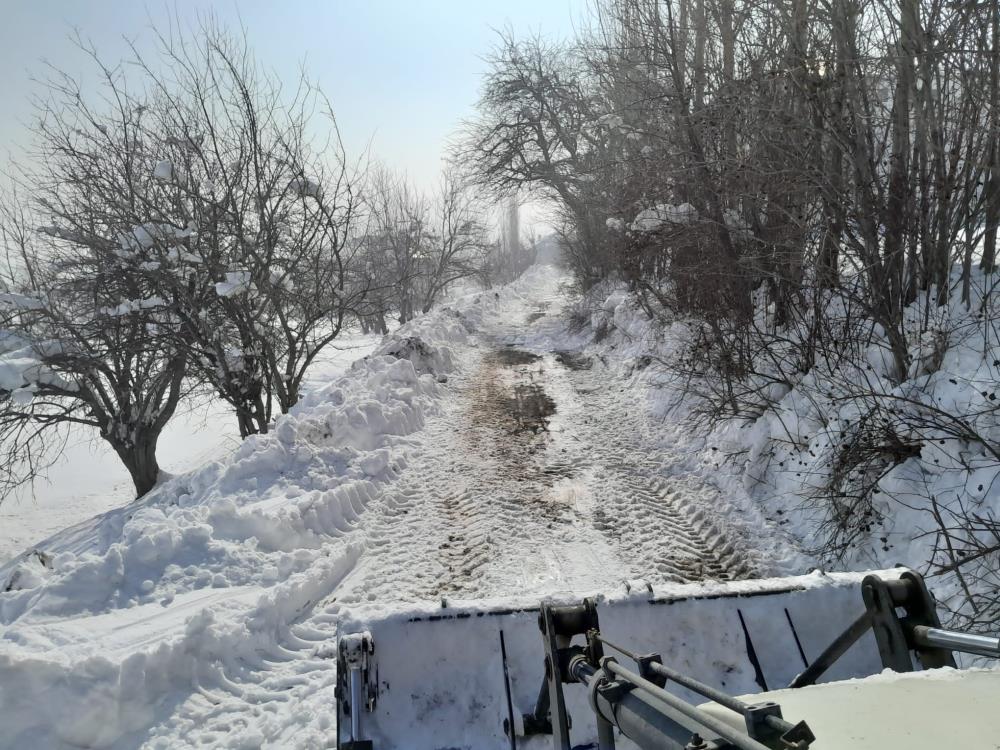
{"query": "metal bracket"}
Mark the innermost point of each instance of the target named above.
(756, 715)
(894, 634)
(644, 662)
(558, 626)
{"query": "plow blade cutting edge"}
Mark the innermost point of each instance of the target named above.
(469, 676)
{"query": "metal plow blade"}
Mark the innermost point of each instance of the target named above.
(470, 677)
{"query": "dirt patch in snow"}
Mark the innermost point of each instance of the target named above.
(574, 360)
(510, 357)
(531, 407)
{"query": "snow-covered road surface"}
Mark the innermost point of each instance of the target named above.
(483, 453)
(540, 475)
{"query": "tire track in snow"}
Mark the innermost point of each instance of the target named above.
(504, 499)
(662, 515)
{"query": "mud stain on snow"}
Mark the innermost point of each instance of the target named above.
(504, 423)
(531, 407)
(517, 389)
(510, 357)
(574, 360)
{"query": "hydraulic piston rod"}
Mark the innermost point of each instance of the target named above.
(969, 643)
(650, 716)
(356, 702)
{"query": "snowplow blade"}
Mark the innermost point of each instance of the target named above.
(469, 676)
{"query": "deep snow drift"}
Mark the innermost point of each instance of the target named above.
(105, 623)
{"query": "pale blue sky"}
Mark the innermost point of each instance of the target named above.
(405, 72)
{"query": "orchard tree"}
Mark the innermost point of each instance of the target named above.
(176, 230)
(78, 349)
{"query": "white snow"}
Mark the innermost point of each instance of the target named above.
(24, 367)
(164, 171)
(204, 613)
(654, 218)
(89, 480)
(237, 282)
(145, 236)
(22, 396)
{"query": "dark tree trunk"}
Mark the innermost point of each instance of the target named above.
(140, 460)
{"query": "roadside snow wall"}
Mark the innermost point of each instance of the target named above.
(910, 467)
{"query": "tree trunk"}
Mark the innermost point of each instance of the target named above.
(698, 65)
(992, 185)
(140, 460)
(897, 201)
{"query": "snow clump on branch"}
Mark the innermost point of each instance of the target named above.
(306, 188)
(236, 282)
(653, 219)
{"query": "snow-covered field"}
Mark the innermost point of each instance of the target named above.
(479, 453)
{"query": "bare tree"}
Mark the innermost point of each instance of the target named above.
(417, 246)
(807, 182)
(211, 196)
(189, 234)
(269, 262)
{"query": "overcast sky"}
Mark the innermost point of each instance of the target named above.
(401, 72)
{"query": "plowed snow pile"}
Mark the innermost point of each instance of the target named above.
(477, 454)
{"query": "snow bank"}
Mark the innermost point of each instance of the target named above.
(778, 466)
(89, 680)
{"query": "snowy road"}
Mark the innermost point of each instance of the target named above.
(540, 476)
(206, 614)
